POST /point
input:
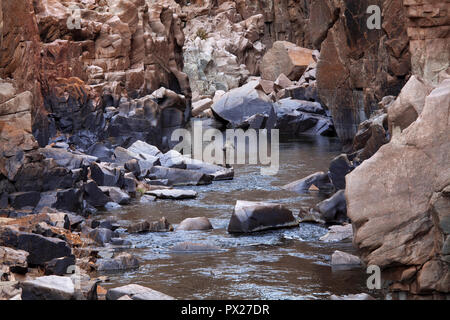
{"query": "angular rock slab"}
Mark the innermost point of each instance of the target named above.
(343, 258)
(48, 288)
(136, 292)
(42, 249)
(250, 216)
(174, 194)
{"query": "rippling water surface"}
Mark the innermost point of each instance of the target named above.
(279, 264)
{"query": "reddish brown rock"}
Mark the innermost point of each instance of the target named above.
(398, 200)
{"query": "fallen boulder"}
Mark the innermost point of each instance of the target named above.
(42, 249)
(122, 261)
(249, 216)
(48, 288)
(180, 177)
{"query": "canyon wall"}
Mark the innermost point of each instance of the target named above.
(399, 200)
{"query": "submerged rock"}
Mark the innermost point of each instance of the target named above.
(249, 216)
(122, 261)
(343, 258)
(338, 233)
(199, 223)
(318, 179)
(136, 292)
(174, 194)
(334, 209)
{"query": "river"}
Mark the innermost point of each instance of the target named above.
(279, 264)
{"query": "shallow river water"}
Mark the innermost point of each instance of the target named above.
(279, 264)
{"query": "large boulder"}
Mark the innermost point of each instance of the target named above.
(48, 288)
(180, 177)
(250, 216)
(238, 105)
(123, 261)
(287, 58)
(398, 200)
(296, 117)
(42, 249)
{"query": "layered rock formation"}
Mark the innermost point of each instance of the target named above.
(78, 58)
(407, 233)
(358, 66)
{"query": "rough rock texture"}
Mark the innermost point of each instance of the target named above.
(119, 52)
(358, 66)
(224, 38)
(398, 200)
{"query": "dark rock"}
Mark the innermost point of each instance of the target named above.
(67, 200)
(48, 288)
(129, 183)
(157, 182)
(319, 179)
(116, 195)
(94, 196)
(4, 200)
(101, 235)
(20, 200)
(120, 242)
(249, 216)
(334, 209)
(296, 117)
(9, 236)
(59, 266)
(42, 249)
(199, 223)
(180, 177)
(339, 168)
(105, 175)
(101, 152)
(72, 222)
(123, 261)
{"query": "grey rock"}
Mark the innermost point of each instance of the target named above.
(338, 233)
(48, 288)
(174, 194)
(136, 292)
(334, 209)
(318, 179)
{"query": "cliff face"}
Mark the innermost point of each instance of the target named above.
(95, 55)
(399, 200)
(358, 66)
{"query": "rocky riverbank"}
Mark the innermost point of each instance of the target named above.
(90, 96)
